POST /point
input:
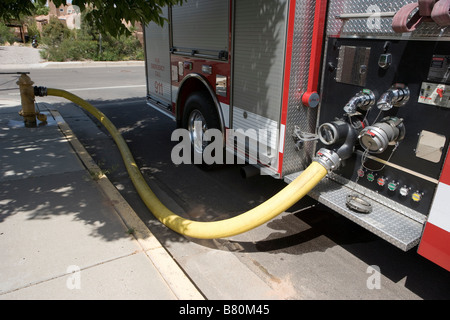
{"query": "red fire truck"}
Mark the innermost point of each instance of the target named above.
(365, 84)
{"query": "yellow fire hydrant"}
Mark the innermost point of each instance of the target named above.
(28, 111)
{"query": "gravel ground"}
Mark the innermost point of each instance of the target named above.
(17, 55)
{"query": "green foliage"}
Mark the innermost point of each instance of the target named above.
(54, 33)
(14, 9)
(62, 44)
(41, 9)
(71, 50)
(106, 15)
(6, 34)
(33, 30)
(120, 48)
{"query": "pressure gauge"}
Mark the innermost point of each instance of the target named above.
(385, 61)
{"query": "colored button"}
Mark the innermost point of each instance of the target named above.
(416, 196)
(371, 177)
(361, 173)
(382, 181)
(404, 191)
(392, 186)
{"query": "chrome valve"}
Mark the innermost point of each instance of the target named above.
(363, 100)
(396, 96)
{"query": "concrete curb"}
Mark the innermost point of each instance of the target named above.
(174, 276)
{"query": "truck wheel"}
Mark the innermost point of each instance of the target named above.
(199, 115)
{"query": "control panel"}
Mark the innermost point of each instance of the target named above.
(395, 97)
(435, 94)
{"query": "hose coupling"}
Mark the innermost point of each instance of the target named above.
(378, 137)
(329, 159)
(40, 91)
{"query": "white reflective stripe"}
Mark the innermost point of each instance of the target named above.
(247, 121)
(282, 133)
(226, 114)
(440, 210)
(174, 94)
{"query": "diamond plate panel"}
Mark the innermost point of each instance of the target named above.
(396, 228)
(370, 27)
(297, 115)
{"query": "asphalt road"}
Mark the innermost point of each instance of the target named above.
(308, 252)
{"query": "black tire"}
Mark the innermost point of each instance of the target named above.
(200, 107)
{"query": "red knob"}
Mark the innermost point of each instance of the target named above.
(311, 99)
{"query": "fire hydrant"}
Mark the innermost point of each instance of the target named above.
(28, 111)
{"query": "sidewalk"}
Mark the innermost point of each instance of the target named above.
(65, 231)
(17, 57)
(72, 64)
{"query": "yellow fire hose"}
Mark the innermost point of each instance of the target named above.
(249, 220)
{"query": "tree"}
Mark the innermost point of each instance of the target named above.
(40, 9)
(108, 16)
